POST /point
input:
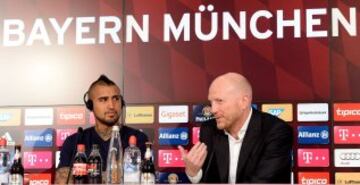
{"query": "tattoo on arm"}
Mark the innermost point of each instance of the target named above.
(61, 175)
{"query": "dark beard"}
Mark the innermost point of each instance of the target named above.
(106, 122)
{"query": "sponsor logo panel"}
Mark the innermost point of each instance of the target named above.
(170, 158)
(313, 134)
(173, 178)
(349, 157)
(173, 114)
(38, 138)
(202, 113)
(10, 117)
(62, 134)
(173, 136)
(39, 178)
(313, 157)
(37, 160)
(70, 115)
(347, 178)
(313, 178)
(347, 111)
(312, 112)
(140, 114)
(283, 111)
(195, 134)
(39, 116)
(347, 134)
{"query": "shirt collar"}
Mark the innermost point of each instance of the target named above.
(242, 131)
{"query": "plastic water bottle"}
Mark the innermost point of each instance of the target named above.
(4, 162)
(132, 162)
(114, 162)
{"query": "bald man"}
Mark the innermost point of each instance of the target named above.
(242, 144)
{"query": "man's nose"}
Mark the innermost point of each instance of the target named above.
(111, 104)
(214, 109)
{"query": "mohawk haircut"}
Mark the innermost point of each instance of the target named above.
(102, 80)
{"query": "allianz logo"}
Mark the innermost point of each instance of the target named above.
(183, 136)
(276, 111)
(5, 116)
(37, 138)
(307, 134)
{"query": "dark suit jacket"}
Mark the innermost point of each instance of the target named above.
(265, 155)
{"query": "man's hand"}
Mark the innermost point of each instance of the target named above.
(194, 159)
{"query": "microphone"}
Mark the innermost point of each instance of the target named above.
(79, 136)
(208, 166)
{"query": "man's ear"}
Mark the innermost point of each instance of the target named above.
(244, 101)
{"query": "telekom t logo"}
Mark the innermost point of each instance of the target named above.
(313, 157)
(170, 158)
(307, 157)
(167, 157)
(344, 134)
(32, 158)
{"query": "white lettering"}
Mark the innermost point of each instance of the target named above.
(113, 32)
(239, 29)
(60, 30)
(253, 24)
(184, 26)
(311, 22)
(38, 32)
(281, 23)
(131, 24)
(14, 28)
(337, 17)
(81, 29)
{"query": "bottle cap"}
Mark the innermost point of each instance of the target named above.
(132, 140)
(81, 148)
(3, 142)
(115, 128)
(95, 147)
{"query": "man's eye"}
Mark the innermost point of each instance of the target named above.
(102, 99)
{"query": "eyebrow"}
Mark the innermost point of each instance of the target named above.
(114, 96)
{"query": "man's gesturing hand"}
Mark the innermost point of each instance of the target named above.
(194, 159)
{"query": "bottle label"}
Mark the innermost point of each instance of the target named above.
(16, 179)
(79, 169)
(93, 170)
(147, 178)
